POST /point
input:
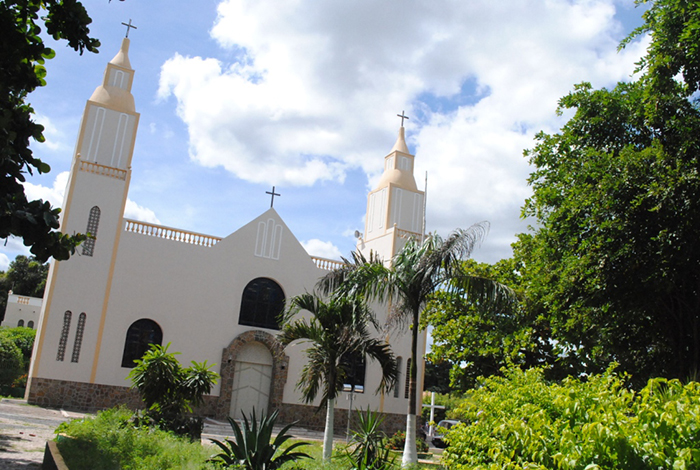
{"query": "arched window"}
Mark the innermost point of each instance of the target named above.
(140, 334)
(78, 338)
(30, 324)
(397, 385)
(93, 223)
(20, 323)
(262, 304)
(64, 336)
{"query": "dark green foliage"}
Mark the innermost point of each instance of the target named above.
(614, 263)
(478, 339)
(367, 450)
(22, 57)
(522, 421)
(110, 441)
(169, 391)
(11, 364)
(254, 448)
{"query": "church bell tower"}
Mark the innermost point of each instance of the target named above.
(71, 326)
(395, 208)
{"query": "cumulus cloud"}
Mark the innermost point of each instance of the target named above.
(316, 247)
(313, 89)
(4, 262)
(143, 214)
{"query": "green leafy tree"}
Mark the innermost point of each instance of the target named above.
(169, 391)
(254, 447)
(476, 339)
(336, 330)
(25, 276)
(11, 364)
(415, 274)
(614, 262)
(22, 58)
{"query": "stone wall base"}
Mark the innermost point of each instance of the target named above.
(81, 396)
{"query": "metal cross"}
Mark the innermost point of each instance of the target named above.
(402, 116)
(273, 194)
(128, 27)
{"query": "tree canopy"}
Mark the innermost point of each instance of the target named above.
(23, 54)
(614, 261)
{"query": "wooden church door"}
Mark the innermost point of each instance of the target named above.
(252, 379)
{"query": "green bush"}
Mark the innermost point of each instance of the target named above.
(11, 365)
(398, 441)
(23, 337)
(520, 421)
(111, 441)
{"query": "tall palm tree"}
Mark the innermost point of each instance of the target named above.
(415, 273)
(337, 330)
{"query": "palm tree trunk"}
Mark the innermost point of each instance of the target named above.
(328, 432)
(410, 454)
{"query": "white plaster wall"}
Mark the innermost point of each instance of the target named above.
(21, 307)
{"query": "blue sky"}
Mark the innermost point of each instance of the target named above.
(238, 96)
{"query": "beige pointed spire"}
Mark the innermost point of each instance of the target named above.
(115, 91)
(122, 57)
(400, 144)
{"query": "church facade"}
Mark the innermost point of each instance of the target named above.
(210, 298)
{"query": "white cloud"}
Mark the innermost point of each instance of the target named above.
(136, 212)
(315, 87)
(54, 194)
(316, 247)
(4, 262)
(55, 139)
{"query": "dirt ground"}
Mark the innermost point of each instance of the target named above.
(24, 430)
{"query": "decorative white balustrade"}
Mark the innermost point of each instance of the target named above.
(406, 234)
(327, 264)
(92, 167)
(23, 300)
(169, 233)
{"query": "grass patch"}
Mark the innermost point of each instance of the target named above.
(110, 441)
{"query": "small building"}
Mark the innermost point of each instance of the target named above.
(22, 310)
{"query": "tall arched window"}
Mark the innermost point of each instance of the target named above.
(408, 377)
(261, 304)
(30, 324)
(93, 223)
(20, 323)
(139, 336)
(64, 336)
(78, 338)
(397, 385)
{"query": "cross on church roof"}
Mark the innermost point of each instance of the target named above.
(128, 27)
(273, 194)
(402, 116)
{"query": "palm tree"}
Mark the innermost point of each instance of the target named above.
(337, 330)
(415, 273)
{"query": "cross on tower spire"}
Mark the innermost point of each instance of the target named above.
(402, 116)
(273, 194)
(128, 27)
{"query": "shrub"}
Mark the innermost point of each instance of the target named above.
(366, 449)
(521, 421)
(398, 441)
(170, 391)
(11, 364)
(111, 441)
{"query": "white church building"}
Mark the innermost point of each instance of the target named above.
(211, 298)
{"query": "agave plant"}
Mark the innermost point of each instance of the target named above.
(253, 449)
(367, 450)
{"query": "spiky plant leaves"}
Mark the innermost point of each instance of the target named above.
(253, 448)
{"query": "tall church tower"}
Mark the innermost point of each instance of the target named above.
(71, 326)
(394, 207)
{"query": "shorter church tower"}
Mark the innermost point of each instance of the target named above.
(395, 207)
(72, 318)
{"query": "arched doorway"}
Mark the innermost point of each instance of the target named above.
(252, 380)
